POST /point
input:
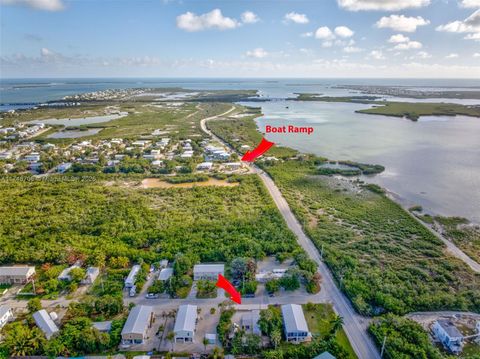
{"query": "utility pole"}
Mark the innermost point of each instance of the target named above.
(383, 346)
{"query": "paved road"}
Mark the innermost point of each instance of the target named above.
(355, 325)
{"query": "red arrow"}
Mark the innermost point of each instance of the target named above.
(263, 147)
(229, 288)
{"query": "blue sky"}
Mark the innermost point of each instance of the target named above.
(267, 38)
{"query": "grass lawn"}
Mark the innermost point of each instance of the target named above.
(318, 318)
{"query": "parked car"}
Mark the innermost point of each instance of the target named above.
(152, 296)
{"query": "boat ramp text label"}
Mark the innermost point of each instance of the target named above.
(288, 129)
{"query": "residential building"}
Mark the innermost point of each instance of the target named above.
(16, 274)
(91, 275)
(132, 276)
(263, 277)
(448, 334)
(325, 355)
(63, 167)
(208, 271)
(137, 324)
(165, 274)
(207, 166)
(294, 323)
(45, 323)
(185, 323)
(249, 322)
(6, 314)
(233, 166)
(103, 327)
(65, 274)
(32, 157)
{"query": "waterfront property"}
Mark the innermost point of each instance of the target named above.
(6, 314)
(16, 274)
(448, 334)
(45, 322)
(132, 276)
(208, 271)
(137, 324)
(185, 323)
(294, 323)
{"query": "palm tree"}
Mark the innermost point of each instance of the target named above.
(275, 337)
(170, 337)
(337, 323)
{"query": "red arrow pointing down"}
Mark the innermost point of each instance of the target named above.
(229, 288)
(263, 147)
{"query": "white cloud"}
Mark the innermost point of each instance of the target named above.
(477, 54)
(351, 49)
(48, 5)
(470, 25)
(211, 20)
(343, 31)
(307, 34)
(423, 55)
(46, 52)
(402, 23)
(397, 39)
(324, 33)
(470, 3)
(258, 53)
(296, 18)
(327, 44)
(451, 56)
(384, 5)
(377, 55)
(410, 45)
(249, 17)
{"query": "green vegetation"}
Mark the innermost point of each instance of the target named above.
(382, 258)
(464, 234)
(45, 222)
(206, 289)
(224, 324)
(413, 111)
(405, 338)
(322, 321)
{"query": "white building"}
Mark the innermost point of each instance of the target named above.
(294, 323)
(263, 277)
(16, 274)
(132, 276)
(165, 274)
(208, 271)
(91, 275)
(6, 314)
(135, 329)
(32, 157)
(249, 322)
(65, 275)
(207, 166)
(185, 323)
(45, 323)
(448, 334)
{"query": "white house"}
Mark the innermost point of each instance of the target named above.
(135, 329)
(65, 275)
(91, 275)
(448, 334)
(45, 323)
(165, 274)
(208, 271)
(6, 314)
(249, 322)
(207, 166)
(132, 276)
(32, 157)
(185, 323)
(16, 274)
(294, 323)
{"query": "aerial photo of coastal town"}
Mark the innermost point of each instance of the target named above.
(268, 179)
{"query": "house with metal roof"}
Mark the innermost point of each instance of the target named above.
(16, 274)
(294, 323)
(6, 314)
(165, 274)
(185, 323)
(249, 322)
(325, 355)
(103, 327)
(45, 323)
(65, 274)
(132, 276)
(135, 329)
(208, 271)
(448, 334)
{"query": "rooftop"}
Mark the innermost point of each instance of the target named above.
(45, 323)
(294, 318)
(138, 320)
(16, 270)
(208, 268)
(450, 328)
(186, 318)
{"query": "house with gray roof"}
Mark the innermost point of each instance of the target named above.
(325, 355)
(294, 323)
(45, 323)
(448, 334)
(185, 323)
(6, 314)
(16, 274)
(208, 271)
(135, 329)
(132, 276)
